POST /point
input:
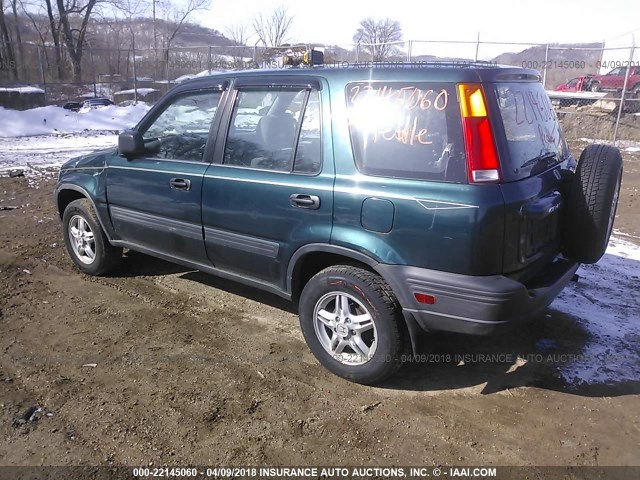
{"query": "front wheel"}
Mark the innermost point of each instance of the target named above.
(351, 321)
(86, 243)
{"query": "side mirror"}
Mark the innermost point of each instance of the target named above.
(130, 143)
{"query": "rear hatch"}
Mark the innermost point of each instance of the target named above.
(532, 155)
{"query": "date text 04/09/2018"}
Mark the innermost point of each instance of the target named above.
(306, 472)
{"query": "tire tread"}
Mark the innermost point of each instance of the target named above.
(392, 310)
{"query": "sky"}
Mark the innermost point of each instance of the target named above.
(542, 21)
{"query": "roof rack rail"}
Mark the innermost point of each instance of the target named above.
(426, 63)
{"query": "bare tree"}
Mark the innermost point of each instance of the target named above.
(7, 54)
(16, 26)
(116, 39)
(239, 35)
(376, 36)
(73, 33)
(40, 24)
(38, 21)
(132, 9)
(273, 31)
(175, 16)
(54, 25)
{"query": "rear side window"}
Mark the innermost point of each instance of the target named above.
(531, 129)
(407, 130)
(275, 129)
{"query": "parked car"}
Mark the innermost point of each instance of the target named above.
(582, 83)
(96, 103)
(73, 106)
(384, 202)
(614, 80)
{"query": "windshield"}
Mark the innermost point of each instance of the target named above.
(534, 138)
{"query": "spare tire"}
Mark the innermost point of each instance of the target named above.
(592, 199)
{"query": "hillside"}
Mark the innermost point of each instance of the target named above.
(565, 61)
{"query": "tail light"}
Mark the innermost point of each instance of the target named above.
(482, 159)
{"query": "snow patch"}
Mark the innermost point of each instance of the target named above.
(56, 120)
(40, 157)
(22, 89)
(141, 91)
(605, 302)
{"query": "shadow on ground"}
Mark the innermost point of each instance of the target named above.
(527, 356)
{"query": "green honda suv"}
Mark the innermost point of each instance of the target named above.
(384, 202)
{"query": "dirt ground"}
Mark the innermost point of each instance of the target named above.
(191, 369)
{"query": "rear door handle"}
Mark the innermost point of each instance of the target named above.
(180, 184)
(302, 200)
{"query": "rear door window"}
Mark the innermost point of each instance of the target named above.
(275, 129)
(534, 139)
(407, 130)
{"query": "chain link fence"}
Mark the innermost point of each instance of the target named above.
(590, 105)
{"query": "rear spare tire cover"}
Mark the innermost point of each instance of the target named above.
(591, 204)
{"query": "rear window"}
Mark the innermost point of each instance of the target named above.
(407, 130)
(531, 129)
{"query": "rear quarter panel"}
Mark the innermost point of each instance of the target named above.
(450, 227)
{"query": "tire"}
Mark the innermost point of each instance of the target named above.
(592, 202)
(86, 242)
(595, 87)
(380, 326)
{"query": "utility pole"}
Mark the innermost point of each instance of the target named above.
(155, 42)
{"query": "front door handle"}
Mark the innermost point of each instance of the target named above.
(302, 200)
(180, 184)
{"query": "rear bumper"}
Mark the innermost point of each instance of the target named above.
(478, 305)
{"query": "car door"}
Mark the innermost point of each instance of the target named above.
(155, 197)
(269, 190)
(613, 79)
(634, 80)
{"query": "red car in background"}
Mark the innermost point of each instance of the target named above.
(578, 84)
(614, 80)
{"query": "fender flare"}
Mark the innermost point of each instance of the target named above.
(85, 193)
(326, 248)
(413, 329)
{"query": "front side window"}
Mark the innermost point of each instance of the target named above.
(180, 132)
(407, 130)
(266, 132)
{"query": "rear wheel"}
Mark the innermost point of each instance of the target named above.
(592, 202)
(351, 321)
(86, 243)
